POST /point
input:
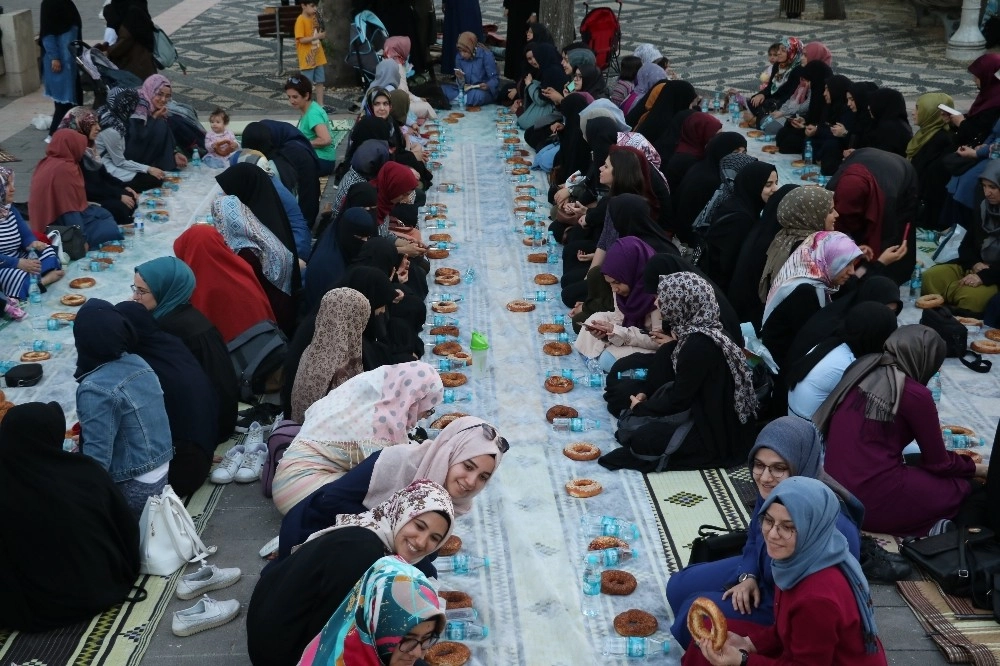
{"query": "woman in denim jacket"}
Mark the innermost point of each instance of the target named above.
(123, 421)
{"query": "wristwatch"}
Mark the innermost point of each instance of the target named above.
(744, 657)
(743, 577)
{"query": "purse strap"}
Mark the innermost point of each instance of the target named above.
(963, 566)
(173, 503)
(713, 530)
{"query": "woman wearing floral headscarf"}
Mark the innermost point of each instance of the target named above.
(392, 617)
(367, 413)
(110, 143)
(16, 241)
(784, 79)
(334, 355)
(297, 595)
(149, 139)
(699, 372)
(102, 188)
(823, 606)
(270, 260)
(881, 404)
(823, 262)
(462, 459)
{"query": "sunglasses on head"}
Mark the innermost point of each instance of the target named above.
(294, 80)
(492, 435)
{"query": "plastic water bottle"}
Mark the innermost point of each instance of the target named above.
(158, 217)
(935, 386)
(948, 438)
(34, 290)
(634, 646)
(591, 602)
(461, 630)
(613, 557)
(995, 151)
(574, 424)
(916, 283)
(556, 337)
(453, 396)
(446, 365)
(43, 345)
(461, 96)
(446, 296)
(807, 153)
(717, 102)
(552, 252)
(538, 295)
(441, 320)
(704, 105)
(196, 159)
(461, 614)
(154, 203)
(593, 525)
(734, 112)
(637, 373)
(463, 564)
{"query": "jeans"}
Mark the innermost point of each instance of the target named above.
(136, 493)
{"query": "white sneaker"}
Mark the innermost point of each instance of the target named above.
(227, 469)
(252, 465)
(206, 614)
(206, 579)
(255, 437)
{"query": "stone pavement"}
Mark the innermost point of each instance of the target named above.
(710, 42)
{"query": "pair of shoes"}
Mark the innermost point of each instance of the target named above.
(254, 455)
(881, 568)
(206, 614)
(206, 579)
(14, 311)
(264, 414)
(226, 471)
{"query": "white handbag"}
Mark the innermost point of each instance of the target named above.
(167, 536)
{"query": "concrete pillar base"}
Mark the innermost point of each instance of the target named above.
(20, 54)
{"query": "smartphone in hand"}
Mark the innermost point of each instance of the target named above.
(947, 109)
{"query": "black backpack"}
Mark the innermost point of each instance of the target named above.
(954, 333)
(256, 354)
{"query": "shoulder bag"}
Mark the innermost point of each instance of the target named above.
(716, 543)
(675, 428)
(962, 561)
(167, 536)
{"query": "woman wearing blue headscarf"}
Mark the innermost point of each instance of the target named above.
(823, 605)
(743, 586)
(164, 286)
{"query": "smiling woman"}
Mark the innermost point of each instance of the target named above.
(462, 458)
(296, 596)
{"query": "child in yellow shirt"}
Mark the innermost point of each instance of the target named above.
(309, 48)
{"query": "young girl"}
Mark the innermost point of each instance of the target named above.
(626, 79)
(220, 142)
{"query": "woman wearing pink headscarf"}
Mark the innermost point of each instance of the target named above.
(398, 49)
(365, 414)
(149, 139)
(462, 459)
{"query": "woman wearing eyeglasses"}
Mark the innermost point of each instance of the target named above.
(744, 586)
(823, 606)
(392, 617)
(367, 413)
(462, 459)
(296, 597)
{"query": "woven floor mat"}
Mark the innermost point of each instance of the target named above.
(972, 641)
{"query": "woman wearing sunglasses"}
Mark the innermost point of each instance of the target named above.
(823, 605)
(462, 458)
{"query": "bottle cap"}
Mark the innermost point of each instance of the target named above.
(486, 561)
(635, 554)
(486, 631)
(479, 342)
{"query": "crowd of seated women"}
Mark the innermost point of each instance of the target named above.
(672, 238)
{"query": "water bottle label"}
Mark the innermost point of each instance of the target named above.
(636, 647)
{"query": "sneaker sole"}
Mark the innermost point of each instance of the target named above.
(256, 478)
(190, 631)
(202, 590)
(220, 483)
(269, 547)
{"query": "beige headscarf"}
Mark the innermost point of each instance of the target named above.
(802, 212)
(468, 41)
(398, 466)
(334, 355)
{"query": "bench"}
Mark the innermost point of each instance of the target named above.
(278, 22)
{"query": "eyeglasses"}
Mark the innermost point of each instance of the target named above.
(778, 470)
(492, 435)
(140, 292)
(408, 645)
(767, 523)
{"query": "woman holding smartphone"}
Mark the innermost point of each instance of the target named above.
(476, 71)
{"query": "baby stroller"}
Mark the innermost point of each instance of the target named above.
(98, 74)
(601, 31)
(364, 52)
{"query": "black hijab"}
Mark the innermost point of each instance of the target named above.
(702, 180)
(593, 81)
(58, 16)
(667, 264)
(861, 92)
(379, 253)
(349, 227)
(817, 73)
(139, 24)
(630, 215)
(752, 260)
(674, 96)
(374, 285)
(191, 402)
(257, 136)
(370, 128)
(251, 185)
(52, 500)
(602, 133)
(865, 329)
(876, 289)
(573, 153)
(102, 335)
(540, 35)
(837, 110)
(890, 126)
(747, 186)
